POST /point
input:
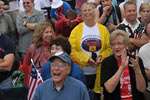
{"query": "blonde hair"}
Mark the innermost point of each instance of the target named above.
(37, 36)
(144, 5)
(1, 2)
(87, 4)
(117, 33)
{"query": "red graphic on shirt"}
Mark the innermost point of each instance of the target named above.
(125, 84)
(1, 49)
(91, 44)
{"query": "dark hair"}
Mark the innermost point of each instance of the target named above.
(32, 1)
(71, 14)
(63, 42)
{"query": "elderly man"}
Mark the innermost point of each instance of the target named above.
(61, 86)
(26, 23)
(133, 27)
(6, 61)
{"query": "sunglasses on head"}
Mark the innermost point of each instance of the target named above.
(72, 21)
(26, 2)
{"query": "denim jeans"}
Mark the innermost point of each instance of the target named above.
(22, 55)
(7, 83)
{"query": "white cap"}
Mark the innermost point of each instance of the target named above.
(56, 3)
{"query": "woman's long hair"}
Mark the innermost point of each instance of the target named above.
(37, 36)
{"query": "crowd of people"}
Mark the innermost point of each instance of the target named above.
(82, 49)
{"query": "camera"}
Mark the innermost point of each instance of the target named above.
(94, 56)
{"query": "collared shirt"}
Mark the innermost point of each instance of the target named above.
(25, 34)
(134, 31)
(71, 90)
(133, 27)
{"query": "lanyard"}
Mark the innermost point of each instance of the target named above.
(59, 12)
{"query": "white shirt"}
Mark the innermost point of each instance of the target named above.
(13, 6)
(90, 42)
(45, 3)
(145, 56)
(133, 27)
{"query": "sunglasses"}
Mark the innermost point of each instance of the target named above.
(26, 2)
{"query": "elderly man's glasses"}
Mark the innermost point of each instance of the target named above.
(59, 65)
(26, 2)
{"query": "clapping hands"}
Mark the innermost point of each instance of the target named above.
(124, 58)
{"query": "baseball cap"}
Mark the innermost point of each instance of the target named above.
(56, 3)
(62, 55)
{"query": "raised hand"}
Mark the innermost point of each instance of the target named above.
(106, 10)
(124, 58)
(135, 63)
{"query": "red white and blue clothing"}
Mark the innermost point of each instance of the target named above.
(134, 31)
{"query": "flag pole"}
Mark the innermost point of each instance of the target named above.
(36, 69)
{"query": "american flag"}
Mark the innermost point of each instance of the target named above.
(35, 80)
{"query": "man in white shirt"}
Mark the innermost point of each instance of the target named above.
(133, 27)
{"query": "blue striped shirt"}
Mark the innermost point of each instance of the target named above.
(71, 90)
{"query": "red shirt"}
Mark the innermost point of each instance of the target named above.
(63, 29)
(125, 84)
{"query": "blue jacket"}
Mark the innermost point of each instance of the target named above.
(76, 72)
